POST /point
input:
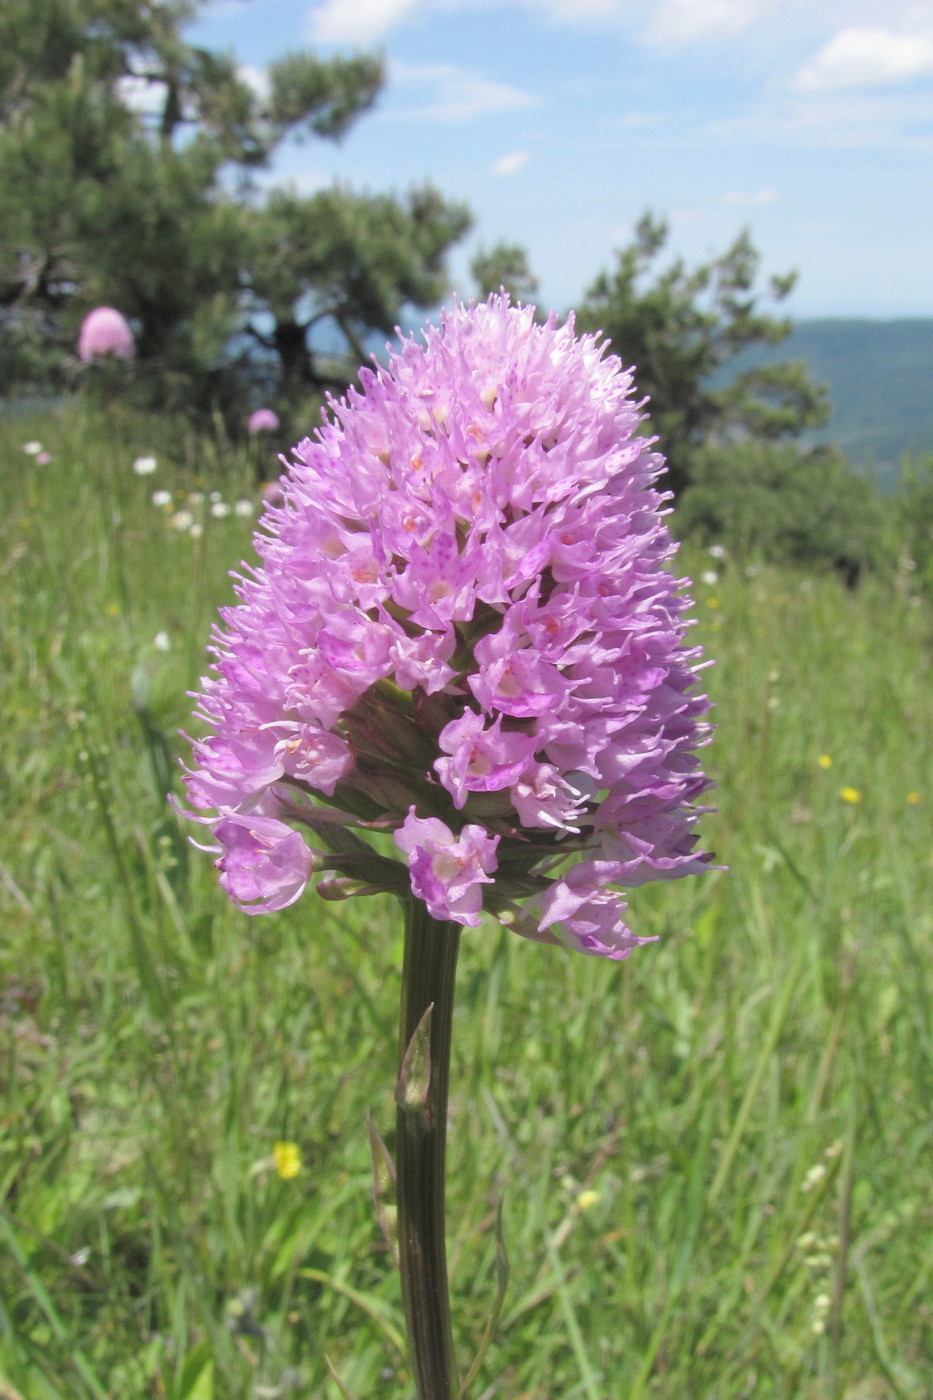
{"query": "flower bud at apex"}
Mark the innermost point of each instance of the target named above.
(462, 629)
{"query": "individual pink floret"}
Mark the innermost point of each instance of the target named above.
(264, 865)
(447, 872)
(481, 759)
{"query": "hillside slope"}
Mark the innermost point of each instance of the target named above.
(880, 379)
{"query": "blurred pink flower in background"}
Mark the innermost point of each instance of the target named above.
(264, 420)
(105, 332)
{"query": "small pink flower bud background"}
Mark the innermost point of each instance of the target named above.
(105, 332)
(264, 420)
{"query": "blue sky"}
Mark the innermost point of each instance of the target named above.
(560, 121)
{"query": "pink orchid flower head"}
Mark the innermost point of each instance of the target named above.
(463, 629)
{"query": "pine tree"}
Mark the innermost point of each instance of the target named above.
(127, 164)
(679, 327)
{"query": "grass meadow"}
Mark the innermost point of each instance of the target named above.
(714, 1158)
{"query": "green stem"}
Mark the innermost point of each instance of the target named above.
(428, 974)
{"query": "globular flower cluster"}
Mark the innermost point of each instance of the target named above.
(463, 632)
(104, 331)
(263, 420)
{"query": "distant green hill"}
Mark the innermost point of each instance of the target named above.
(880, 379)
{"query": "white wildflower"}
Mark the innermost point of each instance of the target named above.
(813, 1177)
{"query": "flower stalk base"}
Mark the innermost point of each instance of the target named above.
(428, 975)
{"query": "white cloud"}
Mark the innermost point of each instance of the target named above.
(676, 21)
(858, 119)
(511, 163)
(686, 21)
(666, 22)
(310, 181)
(458, 94)
(255, 78)
(856, 58)
(142, 96)
(569, 10)
(766, 196)
(356, 21)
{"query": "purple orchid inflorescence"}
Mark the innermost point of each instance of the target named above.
(463, 631)
(104, 331)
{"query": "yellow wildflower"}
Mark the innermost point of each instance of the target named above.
(913, 798)
(712, 602)
(850, 794)
(287, 1159)
(586, 1199)
(825, 761)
